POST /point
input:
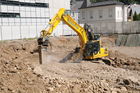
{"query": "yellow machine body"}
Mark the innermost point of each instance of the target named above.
(63, 16)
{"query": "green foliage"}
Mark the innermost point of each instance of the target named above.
(136, 16)
(137, 1)
(139, 16)
(128, 1)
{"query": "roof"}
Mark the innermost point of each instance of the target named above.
(88, 4)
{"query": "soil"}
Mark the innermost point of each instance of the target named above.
(20, 71)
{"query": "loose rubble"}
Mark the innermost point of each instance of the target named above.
(20, 71)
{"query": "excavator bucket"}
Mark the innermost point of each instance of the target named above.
(44, 46)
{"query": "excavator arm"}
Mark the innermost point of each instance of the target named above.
(77, 28)
(89, 43)
(53, 23)
(67, 19)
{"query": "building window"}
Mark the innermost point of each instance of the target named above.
(100, 13)
(13, 15)
(91, 14)
(121, 13)
(83, 14)
(118, 14)
(17, 3)
(110, 12)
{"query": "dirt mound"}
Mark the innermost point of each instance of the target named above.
(21, 78)
(123, 61)
(20, 71)
(11, 50)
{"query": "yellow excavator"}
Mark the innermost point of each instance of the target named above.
(90, 44)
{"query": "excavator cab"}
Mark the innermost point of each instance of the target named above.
(90, 33)
(92, 47)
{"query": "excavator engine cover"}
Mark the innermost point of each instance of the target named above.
(91, 48)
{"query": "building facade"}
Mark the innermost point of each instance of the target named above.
(106, 16)
(107, 11)
(21, 19)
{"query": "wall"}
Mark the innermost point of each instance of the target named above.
(96, 15)
(32, 19)
(115, 28)
(112, 13)
(29, 22)
(55, 5)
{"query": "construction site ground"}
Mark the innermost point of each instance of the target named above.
(20, 71)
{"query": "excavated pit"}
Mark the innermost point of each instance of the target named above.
(20, 71)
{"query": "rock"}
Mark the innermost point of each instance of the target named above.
(126, 82)
(13, 71)
(123, 89)
(50, 89)
(9, 89)
(133, 79)
(37, 70)
(114, 91)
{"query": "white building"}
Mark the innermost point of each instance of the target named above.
(107, 11)
(55, 5)
(26, 18)
(136, 7)
(105, 17)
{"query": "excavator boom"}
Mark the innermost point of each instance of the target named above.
(53, 23)
(66, 18)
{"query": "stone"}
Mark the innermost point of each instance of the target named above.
(50, 89)
(123, 89)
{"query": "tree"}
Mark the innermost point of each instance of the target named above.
(93, 1)
(136, 16)
(139, 16)
(137, 1)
